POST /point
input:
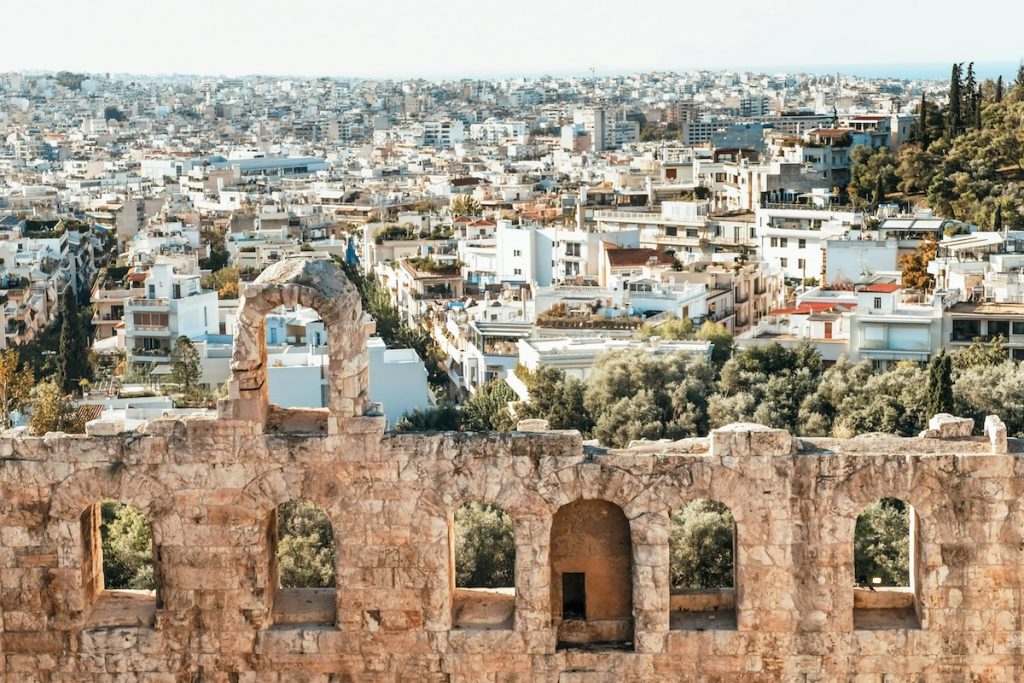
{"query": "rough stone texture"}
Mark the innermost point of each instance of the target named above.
(210, 488)
(946, 426)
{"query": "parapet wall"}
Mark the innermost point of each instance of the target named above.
(210, 488)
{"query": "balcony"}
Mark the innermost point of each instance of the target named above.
(149, 330)
(150, 304)
(151, 354)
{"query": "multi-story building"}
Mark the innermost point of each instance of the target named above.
(792, 236)
(169, 306)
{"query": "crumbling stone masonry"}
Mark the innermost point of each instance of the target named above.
(210, 488)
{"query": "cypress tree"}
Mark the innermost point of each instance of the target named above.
(940, 384)
(954, 121)
(999, 89)
(997, 221)
(926, 138)
(73, 362)
(969, 92)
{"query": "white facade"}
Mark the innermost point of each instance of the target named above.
(794, 238)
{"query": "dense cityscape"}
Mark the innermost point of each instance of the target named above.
(508, 232)
(675, 375)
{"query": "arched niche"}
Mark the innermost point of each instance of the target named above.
(592, 574)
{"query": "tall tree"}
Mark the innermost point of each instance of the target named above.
(999, 89)
(940, 384)
(970, 107)
(487, 410)
(921, 133)
(73, 362)
(954, 121)
(186, 368)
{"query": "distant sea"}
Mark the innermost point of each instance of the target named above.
(937, 70)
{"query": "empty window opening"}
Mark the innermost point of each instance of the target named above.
(484, 558)
(298, 373)
(119, 575)
(702, 574)
(885, 549)
(592, 575)
(304, 564)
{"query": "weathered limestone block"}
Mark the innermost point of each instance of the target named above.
(946, 426)
(995, 430)
(532, 425)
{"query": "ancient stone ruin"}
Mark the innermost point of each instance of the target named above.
(591, 600)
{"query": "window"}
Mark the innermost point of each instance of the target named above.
(303, 570)
(484, 563)
(670, 231)
(878, 302)
(702, 542)
(591, 574)
(885, 550)
(784, 262)
(517, 271)
(965, 330)
(801, 263)
(783, 242)
(775, 241)
(119, 575)
(517, 252)
(1018, 328)
(572, 249)
(999, 327)
(802, 243)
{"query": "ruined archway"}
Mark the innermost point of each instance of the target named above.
(318, 284)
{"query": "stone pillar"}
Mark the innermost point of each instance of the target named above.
(533, 582)
(650, 581)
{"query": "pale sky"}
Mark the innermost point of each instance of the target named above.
(452, 38)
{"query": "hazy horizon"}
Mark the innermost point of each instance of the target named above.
(904, 71)
(461, 39)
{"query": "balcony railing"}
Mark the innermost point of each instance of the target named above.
(793, 206)
(154, 302)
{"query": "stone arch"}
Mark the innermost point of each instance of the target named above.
(592, 573)
(263, 497)
(318, 284)
(75, 511)
(928, 499)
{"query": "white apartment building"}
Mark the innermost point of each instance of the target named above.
(886, 328)
(792, 236)
(685, 227)
(494, 131)
(172, 305)
(443, 134)
(538, 254)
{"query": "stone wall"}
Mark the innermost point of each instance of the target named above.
(210, 488)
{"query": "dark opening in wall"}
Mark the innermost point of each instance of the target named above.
(574, 595)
